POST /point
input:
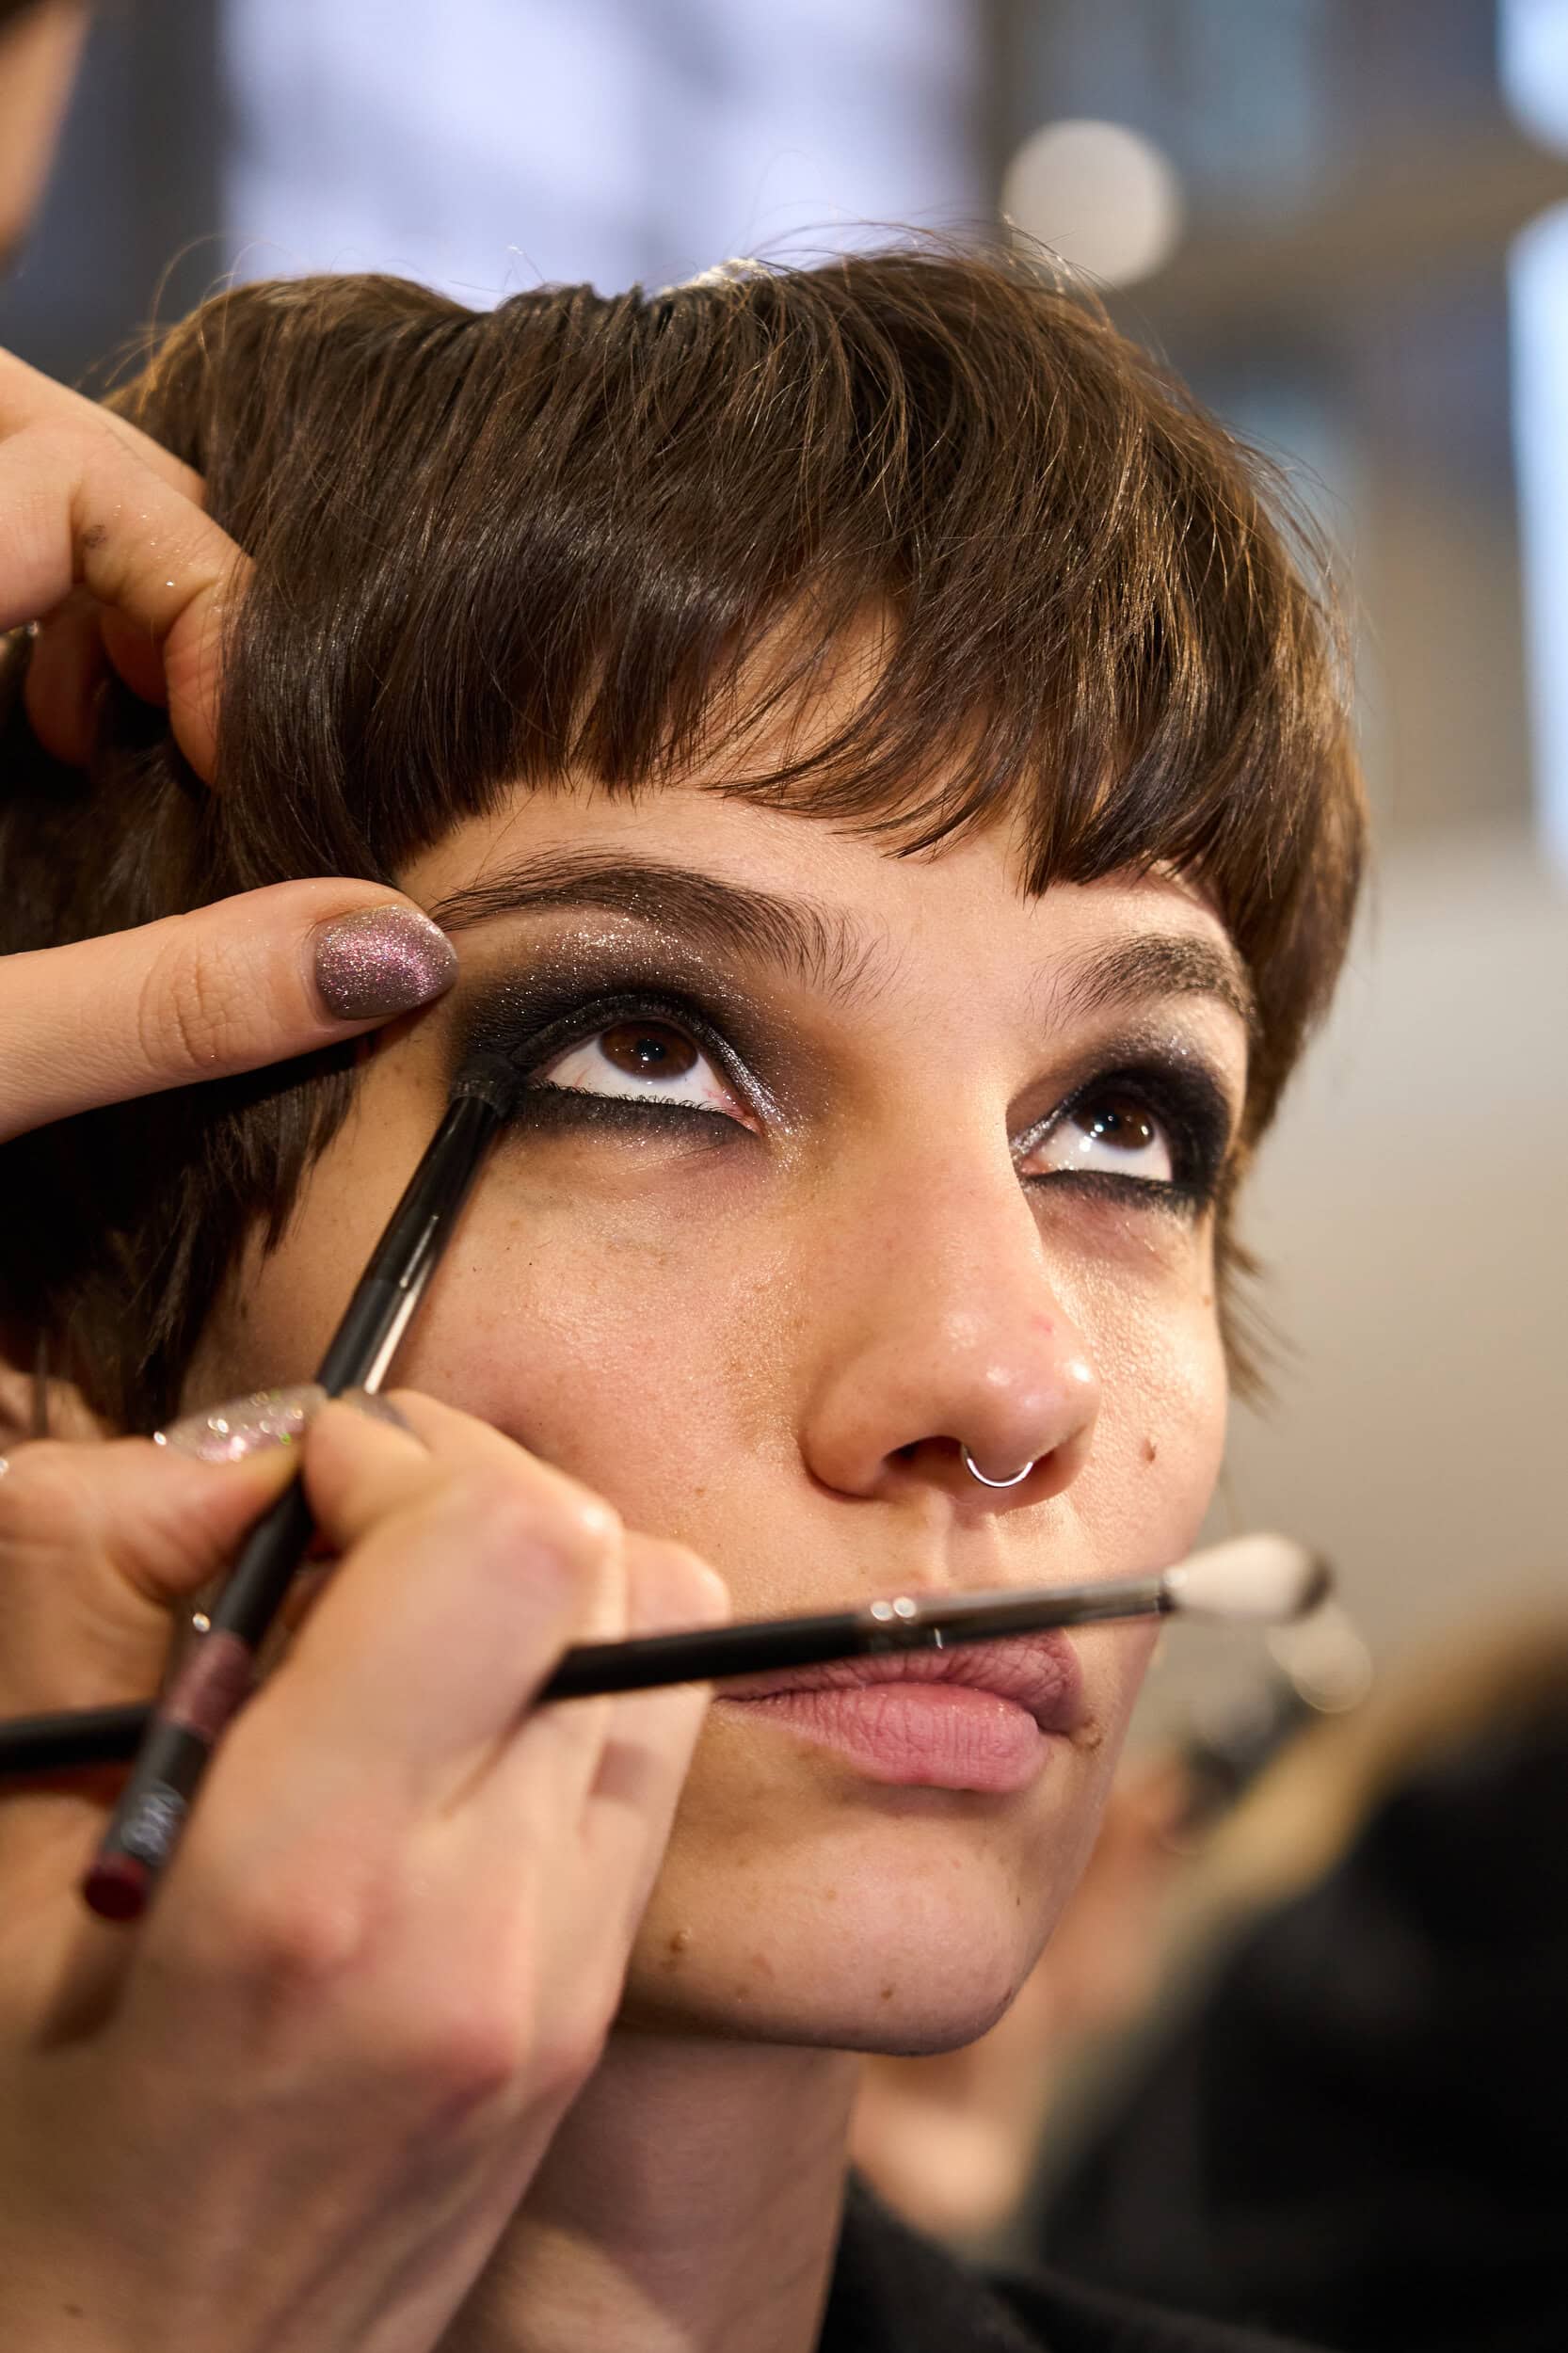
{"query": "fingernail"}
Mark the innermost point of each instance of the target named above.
(379, 1408)
(381, 961)
(244, 1425)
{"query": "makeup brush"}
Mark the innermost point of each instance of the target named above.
(1251, 1580)
(216, 1676)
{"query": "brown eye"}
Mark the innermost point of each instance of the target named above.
(1118, 1120)
(1112, 1133)
(648, 1050)
(645, 1059)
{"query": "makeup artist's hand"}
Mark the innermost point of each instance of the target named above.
(103, 541)
(292, 2110)
(105, 545)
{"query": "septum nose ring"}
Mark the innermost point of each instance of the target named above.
(975, 1472)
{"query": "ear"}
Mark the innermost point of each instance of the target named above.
(34, 1406)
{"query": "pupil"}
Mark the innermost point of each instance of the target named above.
(648, 1050)
(1125, 1123)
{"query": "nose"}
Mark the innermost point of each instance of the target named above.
(950, 1357)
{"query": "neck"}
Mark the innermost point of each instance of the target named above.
(690, 2202)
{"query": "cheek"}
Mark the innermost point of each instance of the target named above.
(1160, 1436)
(641, 1352)
(281, 1307)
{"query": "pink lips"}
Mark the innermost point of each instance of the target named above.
(977, 1717)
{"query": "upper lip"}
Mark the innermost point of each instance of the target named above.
(1038, 1672)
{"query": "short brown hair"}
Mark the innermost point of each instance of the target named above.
(493, 546)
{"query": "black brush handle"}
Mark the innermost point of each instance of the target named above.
(99, 1735)
(216, 1676)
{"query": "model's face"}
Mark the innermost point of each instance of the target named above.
(825, 1180)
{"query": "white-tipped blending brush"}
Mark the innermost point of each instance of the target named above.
(1253, 1580)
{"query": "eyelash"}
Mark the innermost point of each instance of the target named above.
(577, 1025)
(1186, 1100)
(1194, 1116)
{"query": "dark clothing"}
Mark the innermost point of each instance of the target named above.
(894, 2292)
(1361, 2134)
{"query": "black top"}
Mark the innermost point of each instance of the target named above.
(894, 2292)
(1360, 2135)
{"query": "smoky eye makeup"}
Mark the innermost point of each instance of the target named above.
(615, 1038)
(1149, 1125)
(619, 1044)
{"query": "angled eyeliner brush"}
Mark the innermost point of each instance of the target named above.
(1256, 1580)
(216, 1676)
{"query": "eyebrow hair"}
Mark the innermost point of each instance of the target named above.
(820, 947)
(1153, 964)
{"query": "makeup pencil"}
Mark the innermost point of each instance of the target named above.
(1251, 1580)
(218, 1673)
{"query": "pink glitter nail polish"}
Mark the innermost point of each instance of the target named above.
(380, 961)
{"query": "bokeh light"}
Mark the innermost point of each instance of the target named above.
(1102, 196)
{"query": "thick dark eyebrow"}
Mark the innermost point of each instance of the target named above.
(1154, 964)
(822, 949)
(818, 946)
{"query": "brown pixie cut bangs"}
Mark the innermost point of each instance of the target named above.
(606, 534)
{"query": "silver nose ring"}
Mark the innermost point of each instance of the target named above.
(975, 1472)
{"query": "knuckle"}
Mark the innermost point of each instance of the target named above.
(466, 2054)
(576, 2049)
(191, 1006)
(675, 1586)
(584, 1528)
(40, 1499)
(292, 1941)
(56, 454)
(522, 1513)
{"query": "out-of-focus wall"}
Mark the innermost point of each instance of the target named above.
(131, 226)
(1413, 1203)
(1409, 1210)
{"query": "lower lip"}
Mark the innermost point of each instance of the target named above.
(920, 1736)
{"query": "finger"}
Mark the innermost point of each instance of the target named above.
(460, 1438)
(27, 397)
(68, 664)
(66, 667)
(98, 1544)
(645, 1737)
(452, 1441)
(652, 1733)
(249, 981)
(436, 1630)
(79, 507)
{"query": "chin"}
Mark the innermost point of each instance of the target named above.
(903, 1929)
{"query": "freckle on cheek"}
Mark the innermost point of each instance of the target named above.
(1150, 1451)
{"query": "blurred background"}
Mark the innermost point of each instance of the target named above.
(1346, 221)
